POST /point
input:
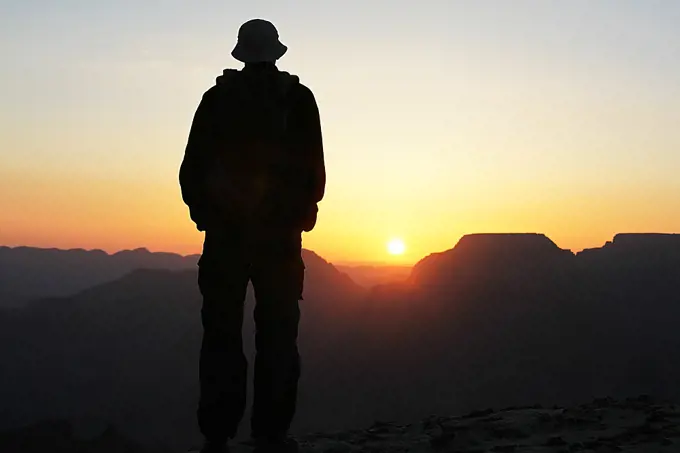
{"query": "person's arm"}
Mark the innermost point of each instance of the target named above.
(312, 142)
(192, 173)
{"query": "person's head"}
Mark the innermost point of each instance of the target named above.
(258, 42)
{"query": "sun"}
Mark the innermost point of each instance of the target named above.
(396, 247)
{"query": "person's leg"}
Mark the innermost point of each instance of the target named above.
(223, 279)
(278, 283)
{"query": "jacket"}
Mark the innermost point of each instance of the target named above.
(220, 128)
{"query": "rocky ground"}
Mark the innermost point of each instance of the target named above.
(605, 425)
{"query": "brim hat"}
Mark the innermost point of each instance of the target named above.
(258, 42)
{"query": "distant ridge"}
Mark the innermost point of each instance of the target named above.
(138, 250)
(476, 253)
(522, 250)
(640, 242)
(31, 272)
(28, 273)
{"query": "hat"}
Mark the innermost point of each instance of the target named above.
(258, 42)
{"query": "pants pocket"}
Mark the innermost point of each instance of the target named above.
(301, 278)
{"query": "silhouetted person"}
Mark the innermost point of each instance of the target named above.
(252, 175)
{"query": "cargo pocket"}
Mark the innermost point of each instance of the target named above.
(300, 279)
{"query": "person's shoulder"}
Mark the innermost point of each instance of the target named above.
(302, 92)
(211, 95)
(211, 92)
(224, 80)
(227, 77)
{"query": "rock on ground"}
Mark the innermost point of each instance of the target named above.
(605, 425)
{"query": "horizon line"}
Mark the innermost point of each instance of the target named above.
(358, 263)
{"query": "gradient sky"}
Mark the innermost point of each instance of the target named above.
(440, 118)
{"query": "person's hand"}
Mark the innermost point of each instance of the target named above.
(310, 217)
(200, 215)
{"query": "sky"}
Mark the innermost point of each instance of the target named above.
(440, 118)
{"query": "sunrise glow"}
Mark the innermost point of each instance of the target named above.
(396, 247)
(464, 117)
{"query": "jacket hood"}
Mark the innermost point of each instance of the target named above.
(227, 75)
(285, 79)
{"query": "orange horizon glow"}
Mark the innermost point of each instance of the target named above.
(46, 211)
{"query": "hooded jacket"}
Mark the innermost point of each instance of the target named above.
(229, 115)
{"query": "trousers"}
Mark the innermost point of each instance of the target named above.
(274, 265)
